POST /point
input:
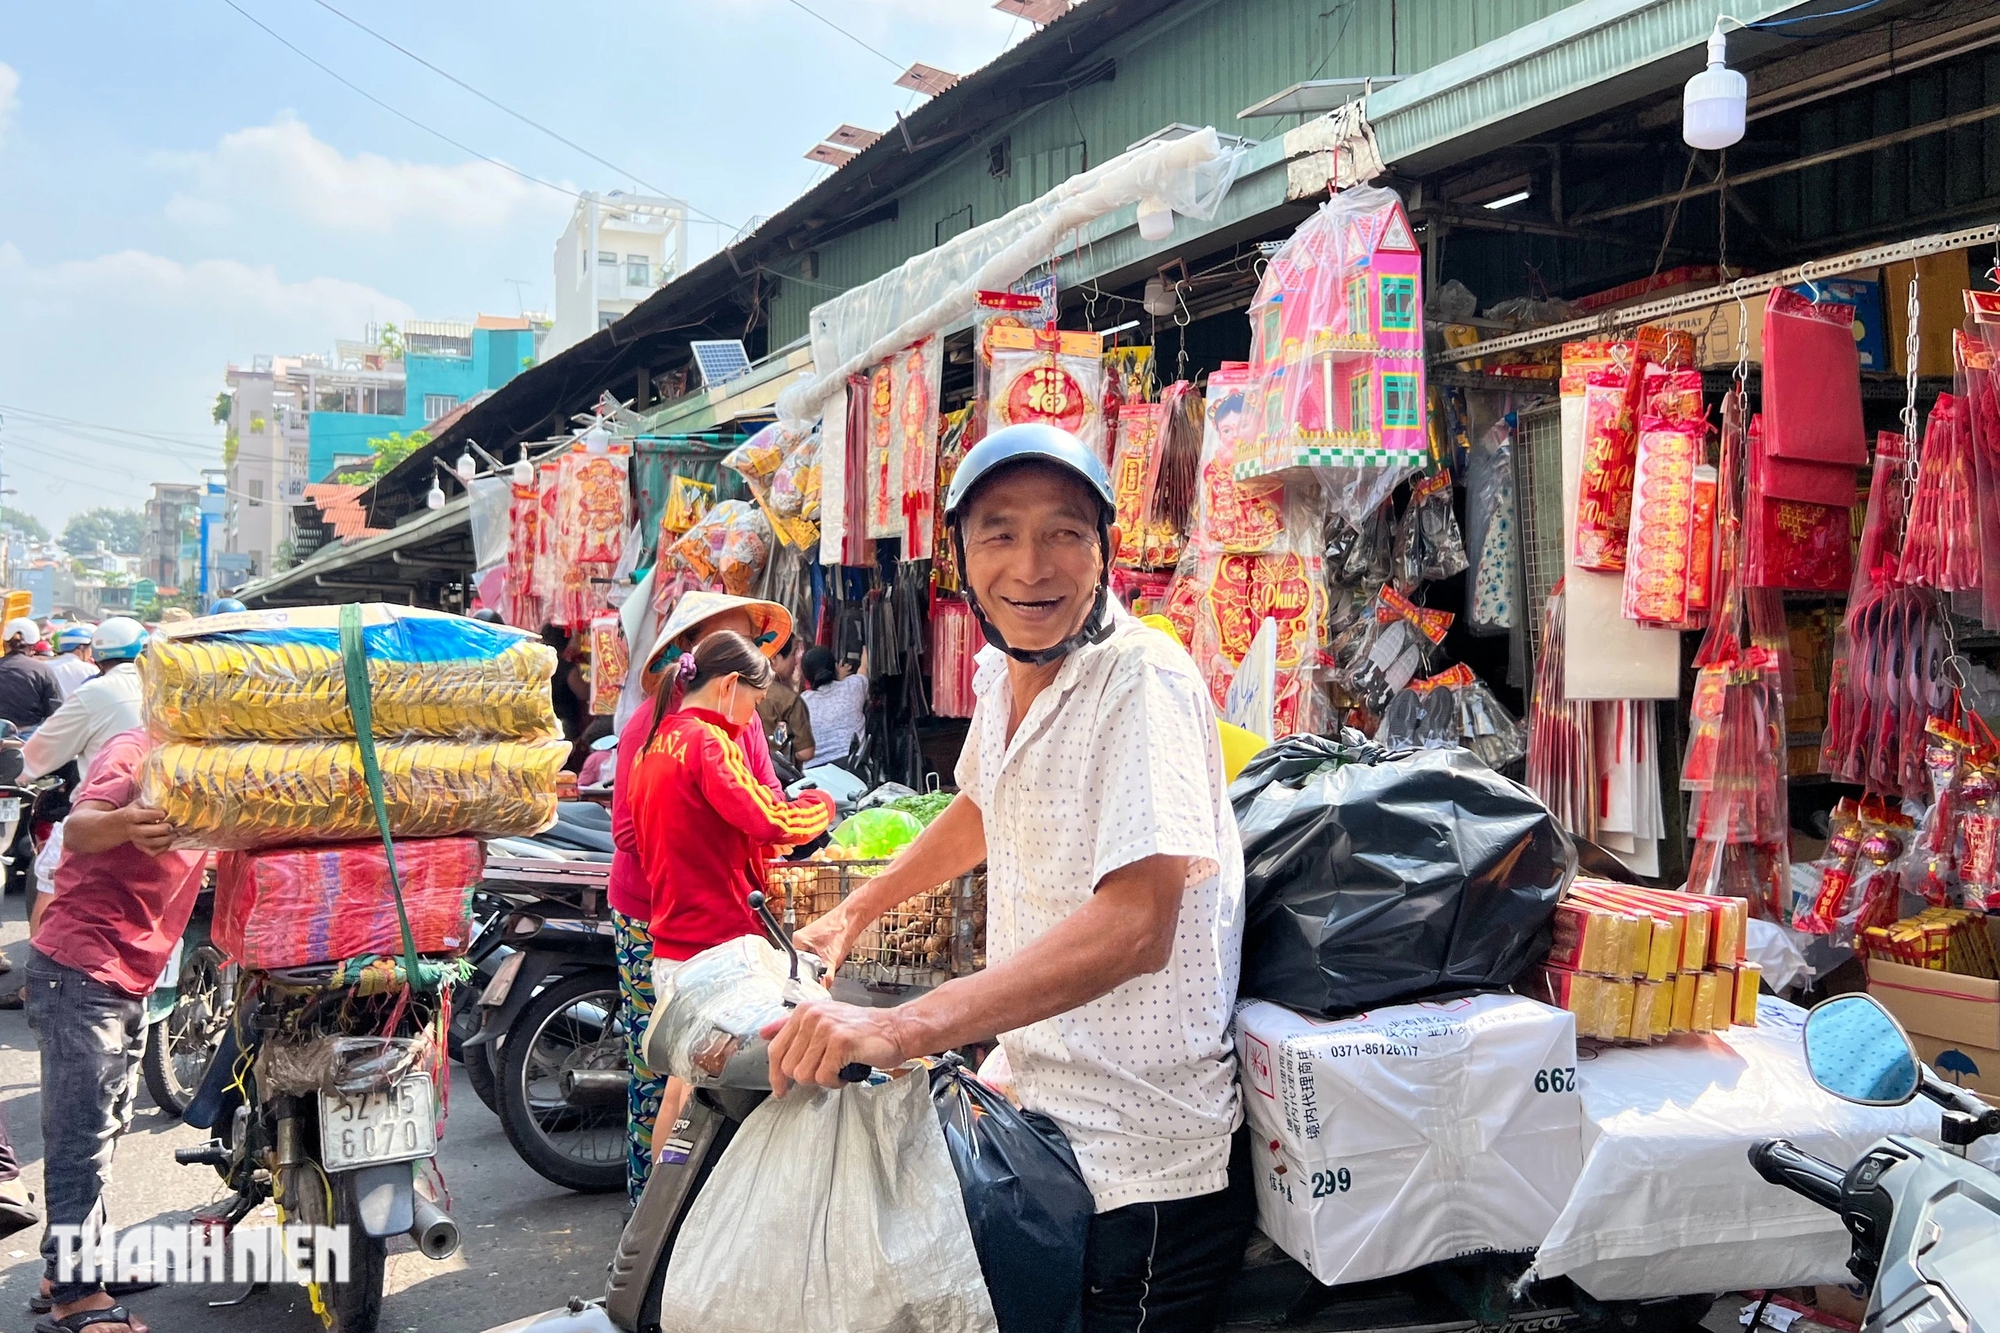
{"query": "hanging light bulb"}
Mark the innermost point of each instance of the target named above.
(1156, 220)
(523, 473)
(435, 500)
(597, 440)
(1714, 103)
(1159, 302)
(467, 467)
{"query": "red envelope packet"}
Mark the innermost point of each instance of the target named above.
(1811, 483)
(1812, 382)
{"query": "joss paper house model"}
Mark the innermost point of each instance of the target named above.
(1338, 342)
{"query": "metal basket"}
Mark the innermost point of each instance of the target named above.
(924, 941)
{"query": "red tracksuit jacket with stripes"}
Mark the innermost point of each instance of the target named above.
(704, 824)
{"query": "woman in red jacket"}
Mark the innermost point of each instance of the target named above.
(703, 822)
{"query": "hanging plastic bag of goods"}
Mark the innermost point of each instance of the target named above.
(255, 740)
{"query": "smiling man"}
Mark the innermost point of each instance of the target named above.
(1092, 786)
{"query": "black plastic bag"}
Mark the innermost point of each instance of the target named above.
(1026, 1199)
(1374, 877)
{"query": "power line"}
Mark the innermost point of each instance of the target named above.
(495, 102)
(800, 4)
(50, 419)
(400, 115)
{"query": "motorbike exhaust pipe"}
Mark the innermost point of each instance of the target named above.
(593, 1087)
(434, 1231)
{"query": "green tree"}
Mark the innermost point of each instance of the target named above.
(224, 403)
(119, 529)
(393, 448)
(30, 526)
(391, 340)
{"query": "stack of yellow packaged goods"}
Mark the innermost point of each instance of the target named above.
(254, 745)
(1941, 939)
(1639, 964)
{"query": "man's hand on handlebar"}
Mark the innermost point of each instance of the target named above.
(818, 1038)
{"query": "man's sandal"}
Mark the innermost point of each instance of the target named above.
(84, 1319)
(41, 1303)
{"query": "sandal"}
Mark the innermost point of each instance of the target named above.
(83, 1319)
(40, 1303)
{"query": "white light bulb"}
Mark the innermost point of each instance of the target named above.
(1715, 101)
(1159, 301)
(597, 440)
(523, 473)
(435, 499)
(467, 467)
(1156, 220)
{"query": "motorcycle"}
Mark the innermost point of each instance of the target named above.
(1478, 1294)
(188, 1011)
(552, 1030)
(1925, 1222)
(319, 1100)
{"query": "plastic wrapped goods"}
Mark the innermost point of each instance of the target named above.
(253, 794)
(728, 547)
(1057, 377)
(294, 906)
(1026, 1200)
(277, 675)
(1668, 1203)
(1410, 1134)
(1372, 879)
(829, 1213)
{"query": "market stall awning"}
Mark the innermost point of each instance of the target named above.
(407, 564)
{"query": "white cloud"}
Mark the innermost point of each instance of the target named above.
(139, 341)
(284, 167)
(10, 82)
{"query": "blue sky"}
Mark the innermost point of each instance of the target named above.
(179, 191)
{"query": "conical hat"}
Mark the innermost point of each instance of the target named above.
(774, 625)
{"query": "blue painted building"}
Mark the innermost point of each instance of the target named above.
(443, 365)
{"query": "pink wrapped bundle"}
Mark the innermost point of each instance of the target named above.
(295, 906)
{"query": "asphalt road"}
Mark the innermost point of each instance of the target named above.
(528, 1245)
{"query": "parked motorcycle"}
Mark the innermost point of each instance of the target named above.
(552, 1019)
(188, 1011)
(1925, 1222)
(320, 1100)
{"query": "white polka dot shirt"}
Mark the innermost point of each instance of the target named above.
(1117, 760)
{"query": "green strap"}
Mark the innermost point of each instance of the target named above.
(361, 703)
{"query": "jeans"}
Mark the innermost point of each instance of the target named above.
(1164, 1267)
(91, 1038)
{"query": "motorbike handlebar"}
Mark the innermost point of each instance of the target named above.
(1782, 1164)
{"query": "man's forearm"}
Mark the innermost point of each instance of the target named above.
(1096, 949)
(954, 843)
(91, 829)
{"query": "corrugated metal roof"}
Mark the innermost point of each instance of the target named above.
(1586, 58)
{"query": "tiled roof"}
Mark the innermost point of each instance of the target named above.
(339, 504)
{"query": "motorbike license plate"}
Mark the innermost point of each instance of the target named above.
(10, 810)
(397, 1124)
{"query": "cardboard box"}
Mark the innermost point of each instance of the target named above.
(1941, 283)
(1411, 1134)
(1958, 1009)
(1969, 1066)
(1715, 331)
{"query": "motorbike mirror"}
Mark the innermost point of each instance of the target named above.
(1857, 1051)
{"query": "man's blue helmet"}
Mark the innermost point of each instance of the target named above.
(226, 606)
(73, 637)
(1034, 442)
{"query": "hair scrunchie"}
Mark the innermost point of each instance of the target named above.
(684, 669)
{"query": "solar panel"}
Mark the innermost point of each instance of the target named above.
(720, 361)
(1035, 11)
(853, 136)
(926, 79)
(831, 154)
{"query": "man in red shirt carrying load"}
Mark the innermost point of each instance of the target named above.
(122, 898)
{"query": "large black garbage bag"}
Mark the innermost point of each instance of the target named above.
(1027, 1202)
(1373, 877)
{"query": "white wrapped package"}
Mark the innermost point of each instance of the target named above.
(1411, 1134)
(1668, 1203)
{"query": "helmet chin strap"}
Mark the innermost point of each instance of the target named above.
(1096, 627)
